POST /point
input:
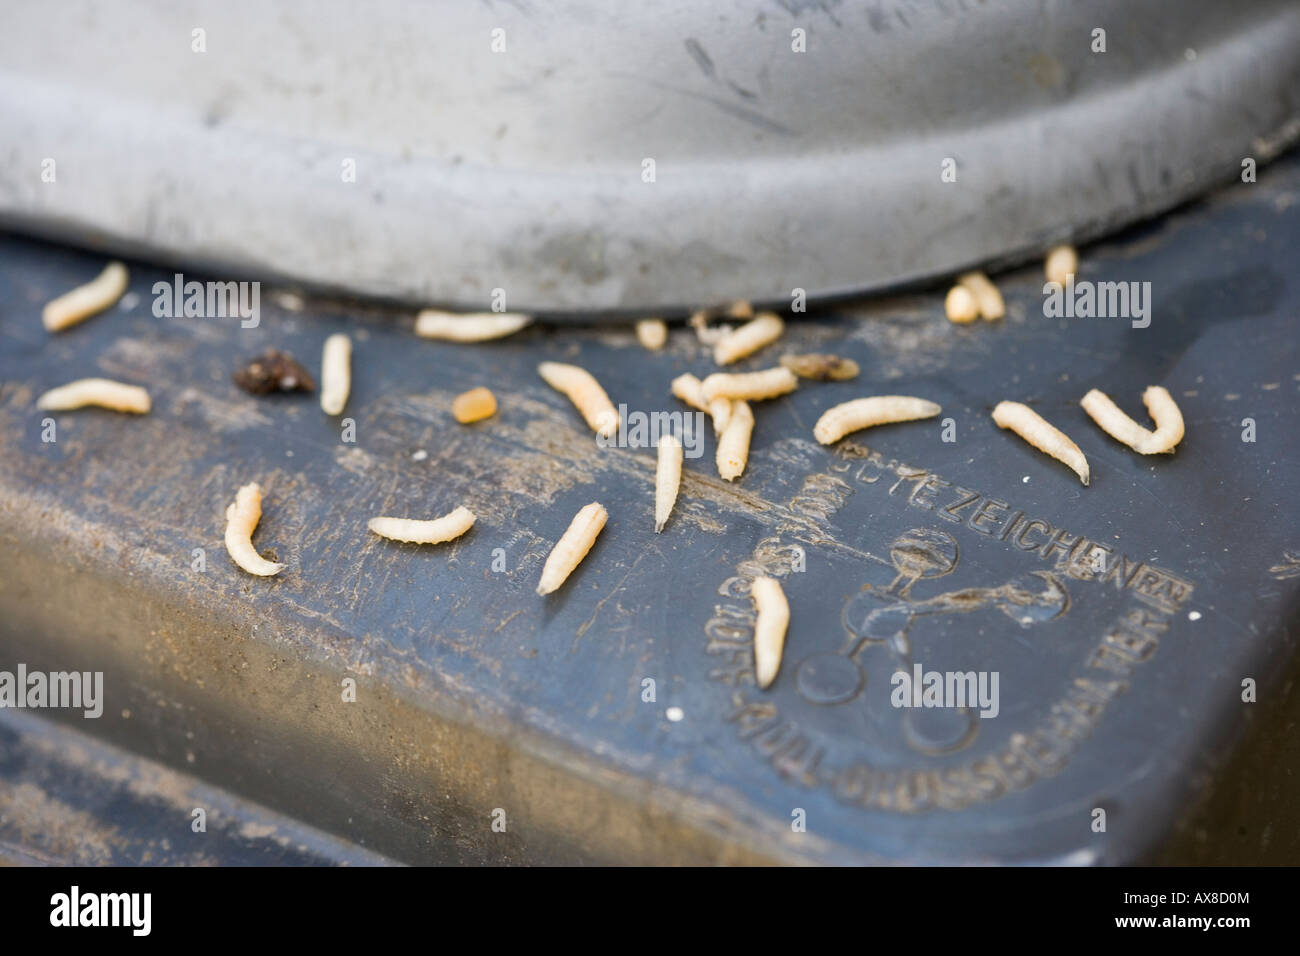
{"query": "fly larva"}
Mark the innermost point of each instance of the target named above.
(474, 405)
(1033, 428)
(837, 422)
(986, 294)
(960, 305)
(762, 330)
(750, 386)
(720, 412)
(687, 388)
(572, 546)
(335, 374)
(86, 300)
(102, 392)
(652, 334)
(668, 478)
(1162, 408)
(821, 368)
(414, 531)
(708, 335)
(468, 326)
(733, 446)
(241, 520)
(773, 617)
(700, 319)
(586, 394)
(1062, 262)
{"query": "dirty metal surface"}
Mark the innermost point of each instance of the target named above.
(67, 798)
(1119, 689)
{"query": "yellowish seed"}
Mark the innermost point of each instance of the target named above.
(474, 405)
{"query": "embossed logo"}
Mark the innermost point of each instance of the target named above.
(828, 722)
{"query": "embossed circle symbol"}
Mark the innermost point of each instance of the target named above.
(1034, 597)
(940, 731)
(876, 616)
(829, 679)
(924, 553)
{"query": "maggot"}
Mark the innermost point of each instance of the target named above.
(733, 446)
(837, 422)
(1062, 262)
(1162, 408)
(750, 386)
(469, 326)
(691, 391)
(586, 394)
(760, 331)
(668, 478)
(86, 300)
(986, 294)
(652, 334)
(103, 392)
(1033, 428)
(772, 620)
(241, 520)
(960, 305)
(415, 531)
(687, 388)
(720, 412)
(572, 546)
(335, 374)
(740, 309)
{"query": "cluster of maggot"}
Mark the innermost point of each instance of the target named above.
(725, 396)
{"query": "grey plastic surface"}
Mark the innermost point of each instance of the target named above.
(523, 169)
